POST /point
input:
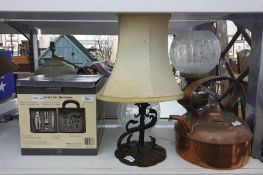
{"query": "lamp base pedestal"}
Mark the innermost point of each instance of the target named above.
(190, 78)
(142, 156)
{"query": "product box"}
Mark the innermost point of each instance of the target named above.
(60, 115)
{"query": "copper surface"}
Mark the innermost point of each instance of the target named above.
(214, 156)
(213, 127)
(188, 93)
(212, 138)
(183, 121)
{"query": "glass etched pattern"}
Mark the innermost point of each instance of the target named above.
(195, 52)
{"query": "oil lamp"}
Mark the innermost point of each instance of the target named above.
(194, 54)
(142, 75)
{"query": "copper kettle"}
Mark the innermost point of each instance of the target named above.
(212, 138)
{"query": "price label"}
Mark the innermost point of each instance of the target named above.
(236, 123)
(37, 98)
(87, 99)
(129, 158)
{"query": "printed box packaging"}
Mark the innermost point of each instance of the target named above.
(60, 116)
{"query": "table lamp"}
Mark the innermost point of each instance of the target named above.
(142, 74)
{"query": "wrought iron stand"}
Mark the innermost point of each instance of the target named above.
(140, 153)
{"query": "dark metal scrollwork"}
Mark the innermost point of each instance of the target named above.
(152, 114)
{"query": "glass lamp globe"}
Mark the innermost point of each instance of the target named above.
(195, 52)
(127, 111)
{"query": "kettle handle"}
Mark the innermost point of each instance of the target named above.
(188, 93)
(186, 124)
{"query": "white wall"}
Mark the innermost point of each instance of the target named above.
(231, 28)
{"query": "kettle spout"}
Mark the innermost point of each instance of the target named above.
(186, 124)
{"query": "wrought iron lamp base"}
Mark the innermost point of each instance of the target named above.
(140, 153)
(149, 155)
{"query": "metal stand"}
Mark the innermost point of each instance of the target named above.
(140, 153)
(254, 101)
(254, 105)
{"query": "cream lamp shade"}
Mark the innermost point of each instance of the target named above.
(195, 52)
(142, 72)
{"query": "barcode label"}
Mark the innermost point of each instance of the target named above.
(129, 158)
(89, 141)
